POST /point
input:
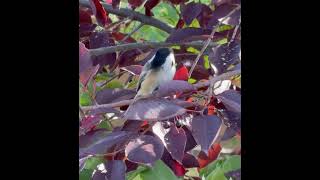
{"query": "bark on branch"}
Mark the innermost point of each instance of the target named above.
(124, 12)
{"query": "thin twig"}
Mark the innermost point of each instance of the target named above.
(132, 32)
(221, 77)
(112, 78)
(124, 12)
(144, 45)
(235, 32)
(207, 42)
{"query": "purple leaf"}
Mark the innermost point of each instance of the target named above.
(190, 11)
(133, 69)
(102, 143)
(145, 149)
(132, 125)
(175, 141)
(106, 96)
(116, 170)
(173, 87)
(189, 161)
(84, 58)
(153, 109)
(229, 133)
(236, 174)
(88, 74)
(98, 175)
(102, 39)
(224, 55)
(92, 136)
(220, 2)
(115, 4)
(204, 130)
(233, 19)
(127, 58)
(103, 110)
(233, 119)
(191, 142)
(231, 99)
(221, 12)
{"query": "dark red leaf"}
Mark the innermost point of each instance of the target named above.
(127, 57)
(135, 3)
(174, 165)
(200, 72)
(144, 149)
(86, 29)
(116, 170)
(102, 39)
(190, 11)
(131, 166)
(175, 141)
(173, 87)
(189, 161)
(231, 100)
(213, 153)
(106, 96)
(90, 122)
(102, 145)
(103, 110)
(177, 1)
(133, 69)
(149, 5)
(115, 3)
(153, 110)
(84, 58)
(99, 12)
(180, 24)
(181, 74)
(205, 16)
(85, 15)
(204, 130)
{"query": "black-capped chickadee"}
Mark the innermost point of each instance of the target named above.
(159, 69)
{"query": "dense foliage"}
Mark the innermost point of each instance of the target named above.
(191, 127)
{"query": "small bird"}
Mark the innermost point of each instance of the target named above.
(158, 70)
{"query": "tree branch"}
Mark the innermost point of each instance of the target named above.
(124, 12)
(221, 77)
(144, 45)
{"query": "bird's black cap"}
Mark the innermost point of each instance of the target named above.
(160, 57)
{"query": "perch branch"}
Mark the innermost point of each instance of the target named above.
(206, 44)
(221, 77)
(144, 45)
(124, 12)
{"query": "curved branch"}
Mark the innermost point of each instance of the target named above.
(144, 45)
(224, 76)
(124, 12)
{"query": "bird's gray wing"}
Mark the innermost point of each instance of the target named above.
(143, 74)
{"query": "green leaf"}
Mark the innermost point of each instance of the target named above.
(195, 24)
(191, 81)
(222, 41)
(232, 163)
(150, 33)
(93, 162)
(217, 174)
(102, 77)
(193, 172)
(85, 99)
(105, 124)
(85, 174)
(132, 175)
(211, 167)
(193, 50)
(206, 62)
(114, 84)
(166, 13)
(224, 28)
(159, 171)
